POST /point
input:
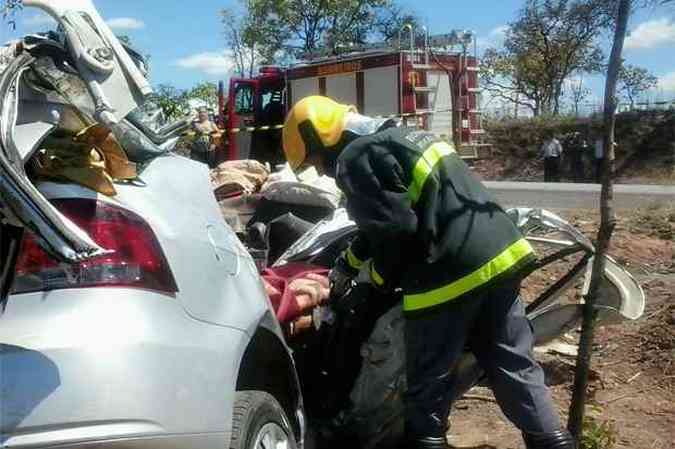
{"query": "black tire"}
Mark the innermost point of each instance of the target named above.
(256, 413)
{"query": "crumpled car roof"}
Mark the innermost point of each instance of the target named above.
(72, 79)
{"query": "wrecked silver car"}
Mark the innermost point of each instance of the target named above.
(131, 315)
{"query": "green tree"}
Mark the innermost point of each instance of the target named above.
(390, 20)
(634, 81)
(253, 36)
(173, 101)
(273, 31)
(317, 25)
(500, 80)
(577, 93)
(206, 92)
(548, 41)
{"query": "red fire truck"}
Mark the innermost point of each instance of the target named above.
(430, 84)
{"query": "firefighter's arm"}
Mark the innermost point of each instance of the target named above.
(348, 265)
(391, 241)
(358, 252)
(379, 203)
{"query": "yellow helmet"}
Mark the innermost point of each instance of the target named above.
(314, 123)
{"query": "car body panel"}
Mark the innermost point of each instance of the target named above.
(112, 362)
(117, 363)
(217, 279)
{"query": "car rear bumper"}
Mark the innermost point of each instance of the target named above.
(103, 367)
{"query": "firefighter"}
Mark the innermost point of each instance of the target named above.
(430, 229)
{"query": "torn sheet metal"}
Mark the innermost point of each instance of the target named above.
(113, 80)
(619, 292)
(72, 89)
(529, 221)
(555, 320)
(66, 81)
(22, 204)
(322, 235)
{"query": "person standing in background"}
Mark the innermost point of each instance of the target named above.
(551, 151)
(575, 147)
(203, 147)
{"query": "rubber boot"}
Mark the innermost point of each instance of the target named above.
(561, 439)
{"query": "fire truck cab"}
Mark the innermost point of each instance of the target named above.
(430, 85)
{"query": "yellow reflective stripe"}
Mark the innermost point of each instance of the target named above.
(352, 260)
(375, 276)
(425, 165)
(508, 258)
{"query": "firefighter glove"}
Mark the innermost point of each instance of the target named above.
(341, 277)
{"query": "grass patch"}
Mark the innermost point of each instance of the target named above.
(598, 434)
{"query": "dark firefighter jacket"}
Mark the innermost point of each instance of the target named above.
(430, 227)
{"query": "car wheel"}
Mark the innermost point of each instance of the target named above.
(259, 422)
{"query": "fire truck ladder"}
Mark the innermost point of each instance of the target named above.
(468, 113)
(419, 62)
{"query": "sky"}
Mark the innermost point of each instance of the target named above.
(186, 43)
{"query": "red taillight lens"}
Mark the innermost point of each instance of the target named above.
(136, 258)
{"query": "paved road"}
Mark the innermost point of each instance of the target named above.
(578, 196)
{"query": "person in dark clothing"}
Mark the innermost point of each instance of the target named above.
(428, 227)
(575, 148)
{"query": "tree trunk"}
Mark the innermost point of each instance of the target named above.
(556, 100)
(607, 223)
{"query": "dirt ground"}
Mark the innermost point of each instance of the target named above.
(633, 380)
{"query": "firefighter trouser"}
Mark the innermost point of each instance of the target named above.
(494, 326)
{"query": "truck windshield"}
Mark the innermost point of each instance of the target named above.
(271, 98)
(243, 99)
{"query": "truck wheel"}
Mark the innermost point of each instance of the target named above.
(259, 422)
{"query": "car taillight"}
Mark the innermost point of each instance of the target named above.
(135, 258)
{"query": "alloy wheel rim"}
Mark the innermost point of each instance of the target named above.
(271, 436)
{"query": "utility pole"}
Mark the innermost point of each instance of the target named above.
(607, 223)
